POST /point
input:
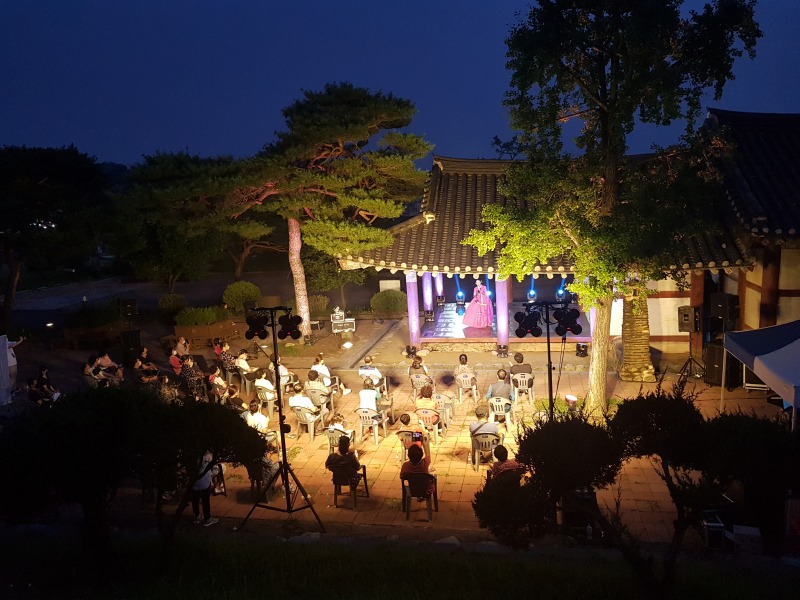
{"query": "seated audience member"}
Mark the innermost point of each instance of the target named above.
(216, 345)
(182, 347)
(300, 400)
(112, 370)
(338, 423)
(248, 372)
(143, 375)
(503, 462)
(167, 392)
(35, 394)
(234, 400)
(519, 366)
(147, 364)
(425, 400)
(286, 377)
(194, 379)
(417, 367)
(227, 359)
(406, 424)
(217, 385)
(89, 374)
(346, 458)
(175, 362)
(255, 419)
(264, 384)
(325, 375)
(368, 397)
(371, 371)
(268, 469)
(417, 462)
(45, 386)
(482, 425)
(314, 383)
(463, 367)
(500, 388)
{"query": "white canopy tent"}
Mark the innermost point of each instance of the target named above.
(773, 355)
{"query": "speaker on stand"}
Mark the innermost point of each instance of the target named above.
(689, 322)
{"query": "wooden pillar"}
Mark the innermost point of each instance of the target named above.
(768, 309)
(501, 310)
(413, 308)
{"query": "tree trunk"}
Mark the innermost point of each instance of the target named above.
(596, 400)
(636, 362)
(343, 302)
(238, 266)
(298, 274)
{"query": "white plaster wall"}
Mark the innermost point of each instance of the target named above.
(789, 278)
(788, 310)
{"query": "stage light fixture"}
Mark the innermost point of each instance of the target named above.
(439, 300)
(560, 293)
(290, 326)
(531, 294)
(256, 327)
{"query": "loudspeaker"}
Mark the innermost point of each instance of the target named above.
(688, 319)
(714, 352)
(724, 306)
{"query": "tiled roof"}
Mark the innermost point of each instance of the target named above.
(762, 177)
(451, 207)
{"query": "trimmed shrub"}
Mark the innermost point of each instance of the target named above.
(240, 294)
(389, 301)
(171, 304)
(195, 315)
(317, 306)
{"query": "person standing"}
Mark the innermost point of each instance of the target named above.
(480, 312)
(201, 492)
(12, 362)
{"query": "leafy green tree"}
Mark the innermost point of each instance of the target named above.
(51, 198)
(339, 165)
(605, 64)
(178, 202)
(324, 274)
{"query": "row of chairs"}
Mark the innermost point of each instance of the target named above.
(521, 383)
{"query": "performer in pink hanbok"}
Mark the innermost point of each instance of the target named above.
(479, 312)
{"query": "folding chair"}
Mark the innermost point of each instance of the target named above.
(522, 383)
(345, 477)
(418, 485)
(466, 382)
(431, 419)
(483, 444)
(370, 418)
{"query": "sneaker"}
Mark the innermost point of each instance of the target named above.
(198, 520)
(219, 490)
(346, 391)
(210, 521)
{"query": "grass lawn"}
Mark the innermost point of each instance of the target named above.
(217, 564)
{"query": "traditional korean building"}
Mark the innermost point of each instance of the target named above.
(747, 276)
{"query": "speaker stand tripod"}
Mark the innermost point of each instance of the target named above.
(285, 471)
(692, 368)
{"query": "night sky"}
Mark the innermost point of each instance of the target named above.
(123, 79)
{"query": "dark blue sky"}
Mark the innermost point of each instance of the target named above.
(123, 79)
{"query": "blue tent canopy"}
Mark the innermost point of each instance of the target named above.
(747, 345)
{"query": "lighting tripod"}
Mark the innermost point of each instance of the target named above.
(566, 320)
(267, 318)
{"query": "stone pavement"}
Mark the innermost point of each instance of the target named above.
(646, 503)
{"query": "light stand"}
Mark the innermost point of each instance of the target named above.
(529, 323)
(268, 315)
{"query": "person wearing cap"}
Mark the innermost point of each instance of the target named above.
(482, 425)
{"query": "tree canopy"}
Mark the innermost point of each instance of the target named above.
(608, 64)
